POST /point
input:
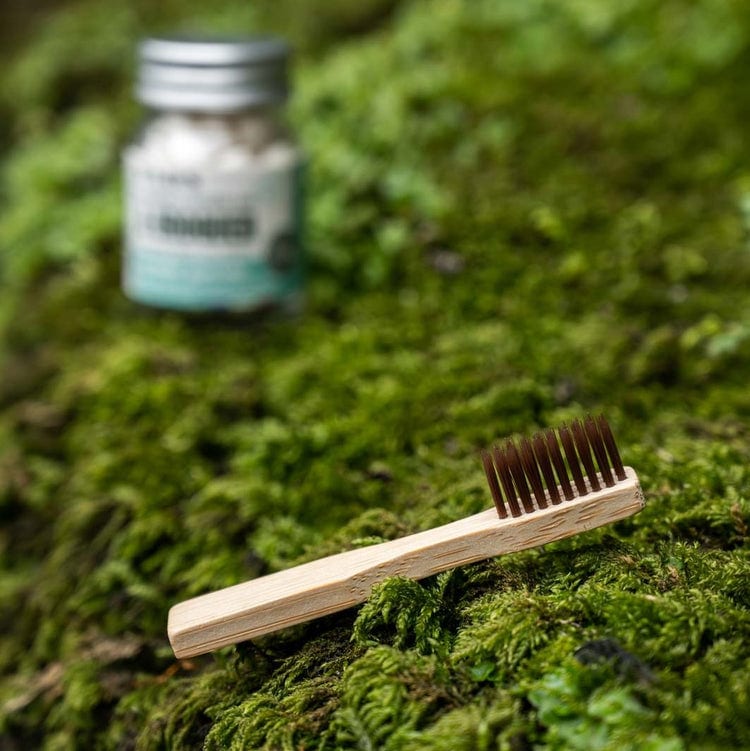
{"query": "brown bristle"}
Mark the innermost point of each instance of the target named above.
(584, 452)
(559, 463)
(501, 463)
(569, 448)
(519, 479)
(531, 470)
(528, 475)
(609, 442)
(497, 496)
(600, 451)
(543, 460)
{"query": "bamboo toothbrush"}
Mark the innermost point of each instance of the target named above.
(535, 503)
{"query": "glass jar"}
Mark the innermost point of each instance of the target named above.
(213, 200)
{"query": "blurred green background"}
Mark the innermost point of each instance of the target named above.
(518, 213)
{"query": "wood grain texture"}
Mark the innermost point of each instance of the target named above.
(315, 589)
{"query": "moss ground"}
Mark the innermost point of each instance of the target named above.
(518, 213)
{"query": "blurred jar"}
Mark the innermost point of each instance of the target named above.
(213, 179)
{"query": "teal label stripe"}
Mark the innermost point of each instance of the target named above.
(197, 282)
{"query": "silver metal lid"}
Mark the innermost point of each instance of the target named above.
(220, 74)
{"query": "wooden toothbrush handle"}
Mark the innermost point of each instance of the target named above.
(325, 586)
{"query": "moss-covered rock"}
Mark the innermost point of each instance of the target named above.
(518, 212)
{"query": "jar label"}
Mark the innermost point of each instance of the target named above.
(213, 240)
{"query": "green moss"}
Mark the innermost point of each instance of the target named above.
(518, 212)
(578, 712)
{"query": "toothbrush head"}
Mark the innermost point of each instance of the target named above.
(552, 467)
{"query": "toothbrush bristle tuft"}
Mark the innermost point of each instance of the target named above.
(533, 473)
